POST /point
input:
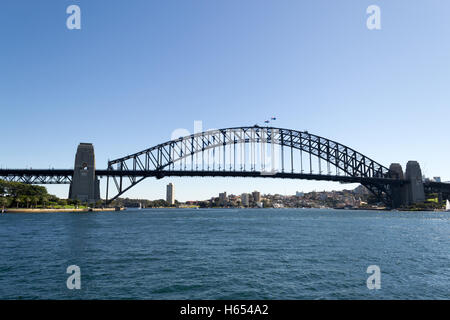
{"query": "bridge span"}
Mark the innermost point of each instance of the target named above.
(265, 152)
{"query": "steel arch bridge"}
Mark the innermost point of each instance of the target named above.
(252, 152)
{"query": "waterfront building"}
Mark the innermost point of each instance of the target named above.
(256, 196)
(245, 199)
(170, 195)
(222, 198)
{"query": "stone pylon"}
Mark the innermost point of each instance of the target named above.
(399, 197)
(415, 190)
(85, 185)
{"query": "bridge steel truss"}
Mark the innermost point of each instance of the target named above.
(252, 152)
(37, 176)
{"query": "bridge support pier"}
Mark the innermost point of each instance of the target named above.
(413, 191)
(85, 185)
(416, 191)
(399, 193)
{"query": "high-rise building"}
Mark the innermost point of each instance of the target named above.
(222, 198)
(170, 195)
(245, 199)
(256, 196)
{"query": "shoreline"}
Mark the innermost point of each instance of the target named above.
(11, 210)
(22, 210)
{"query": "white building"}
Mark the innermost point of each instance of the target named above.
(170, 195)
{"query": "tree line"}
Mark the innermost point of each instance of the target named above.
(22, 195)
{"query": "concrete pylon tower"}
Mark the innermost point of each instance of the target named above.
(415, 191)
(399, 193)
(85, 185)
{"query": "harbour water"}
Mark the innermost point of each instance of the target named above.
(225, 254)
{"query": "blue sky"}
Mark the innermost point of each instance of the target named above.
(137, 70)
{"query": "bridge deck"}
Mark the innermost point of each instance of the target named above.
(62, 176)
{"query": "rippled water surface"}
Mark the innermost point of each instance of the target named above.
(225, 254)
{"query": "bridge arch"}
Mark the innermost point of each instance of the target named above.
(252, 151)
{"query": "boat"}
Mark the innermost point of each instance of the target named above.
(447, 206)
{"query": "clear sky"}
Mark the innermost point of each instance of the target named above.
(137, 70)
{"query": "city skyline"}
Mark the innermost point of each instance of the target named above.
(255, 194)
(313, 69)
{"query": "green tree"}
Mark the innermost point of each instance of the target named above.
(18, 201)
(22, 193)
(9, 202)
(53, 198)
(35, 200)
(3, 202)
(44, 200)
(28, 200)
(3, 187)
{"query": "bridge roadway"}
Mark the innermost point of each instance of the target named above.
(64, 176)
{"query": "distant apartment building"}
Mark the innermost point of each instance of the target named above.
(323, 196)
(223, 198)
(170, 194)
(256, 196)
(245, 199)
